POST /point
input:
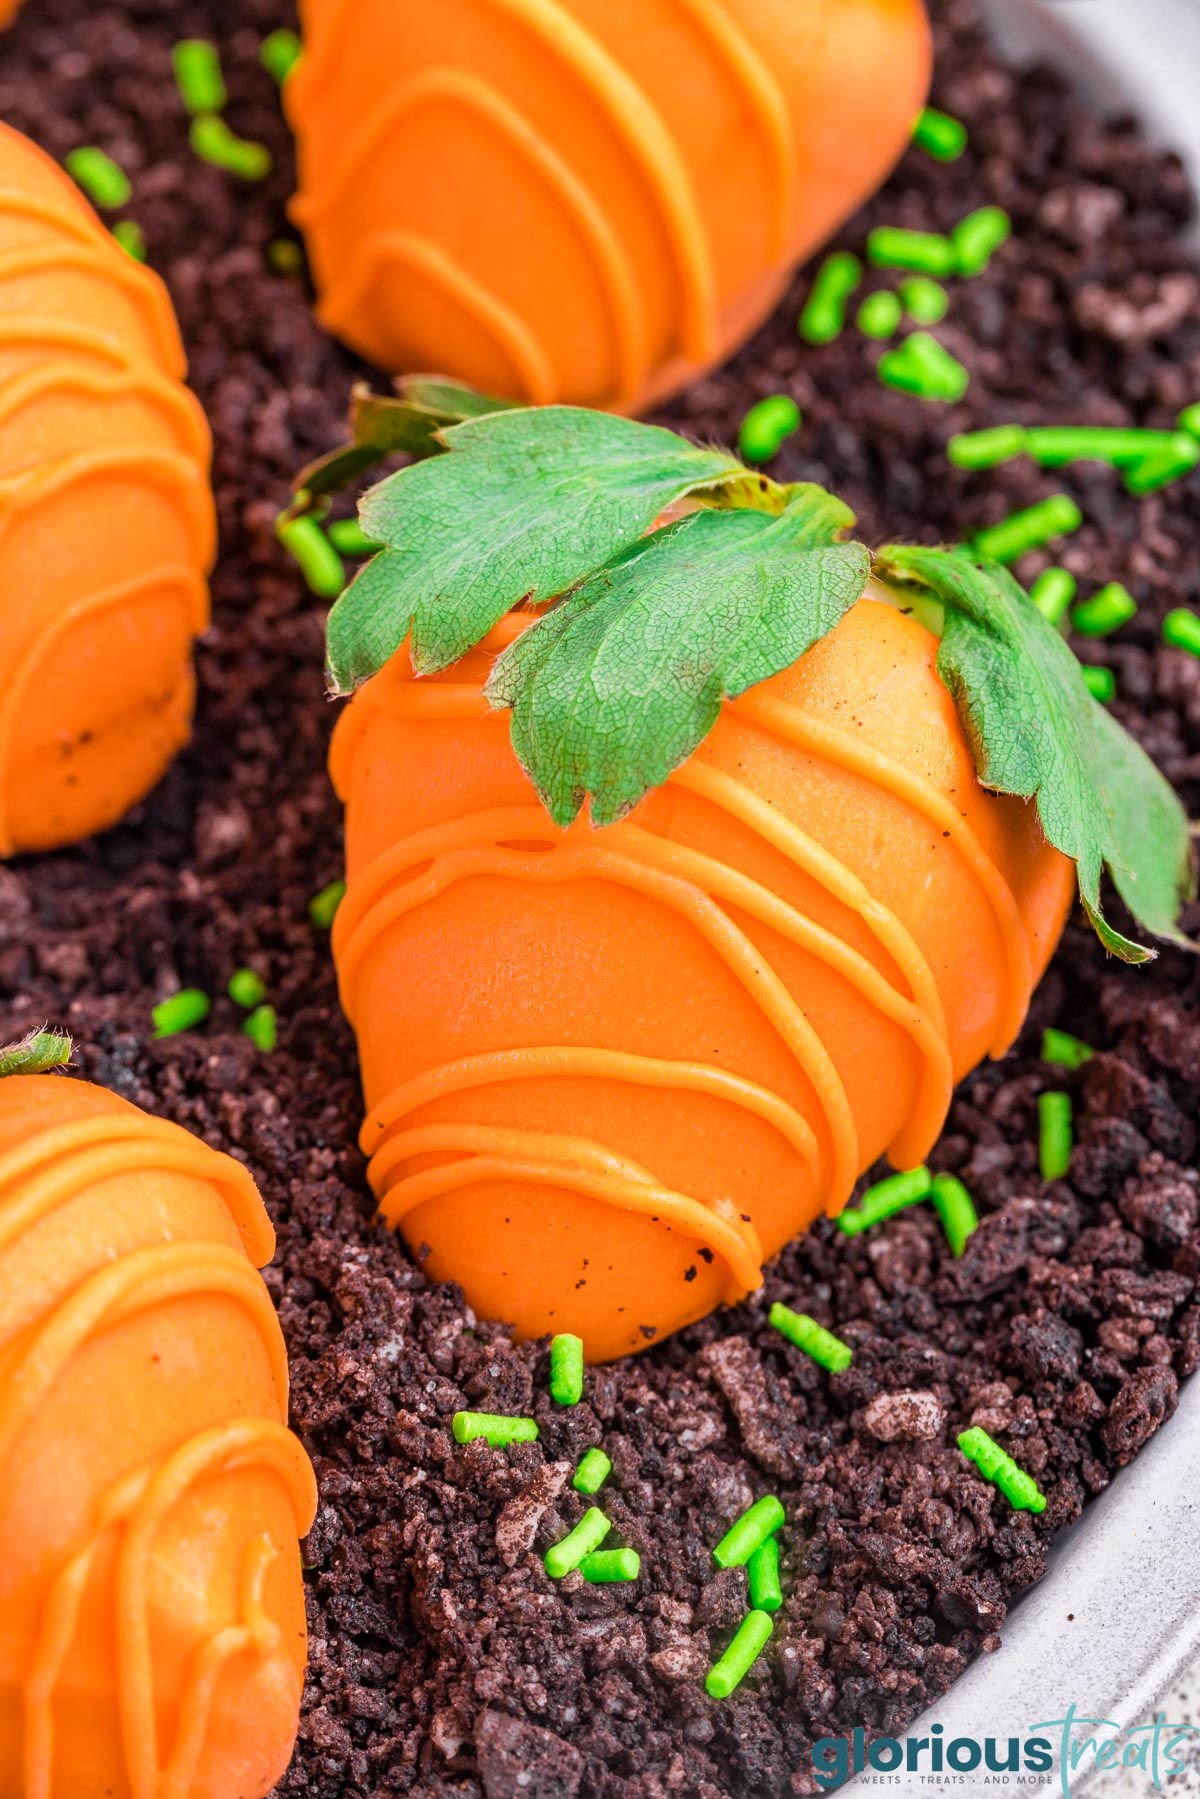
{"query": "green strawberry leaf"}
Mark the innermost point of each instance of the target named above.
(407, 422)
(1151, 865)
(527, 504)
(616, 685)
(1036, 732)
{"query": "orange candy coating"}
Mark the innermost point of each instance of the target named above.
(610, 1073)
(8, 12)
(585, 200)
(152, 1631)
(106, 517)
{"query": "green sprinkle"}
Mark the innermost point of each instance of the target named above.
(956, 1209)
(592, 1472)
(1053, 592)
(1019, 1488)
(284, 256)
(101, 179)
(1054, 445)
(1160, 467)
(318, 561)
(976, 238)
(766, 426)
(566, 1369)
(349, 539)
(198, 75)
(1028, 530)
(184, 1009)
(247, 988)
(812, 1338)
(279, 53)
(924, 367)
(726, 1675)
(1055, 1135)
(1064, 1051)
(747, 1533)
(986, 449)
(762, 1570)
(1181, 629)
(262, 1028)
(879, 315)
(1105, 612)
(131, 238)
(824, 314)
(604, 1566)
(1189, 419)
(570, 1550)
(322, 906)
(939, 134)
(924, 252)
(1101, 683)
(494, 1429)
(884, 1198)
(925, 299)
(214, 142)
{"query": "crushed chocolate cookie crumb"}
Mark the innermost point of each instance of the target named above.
(443, 1660)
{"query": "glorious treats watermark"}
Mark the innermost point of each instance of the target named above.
(1052, 1755)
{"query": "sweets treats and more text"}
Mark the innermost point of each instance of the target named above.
(599, 1055)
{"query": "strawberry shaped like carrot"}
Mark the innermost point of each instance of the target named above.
(106, 517)
(689, 864)
(152, 1630)
(580, 199)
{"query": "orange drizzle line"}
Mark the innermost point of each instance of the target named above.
(726, 884)
(545, 1063)
(636, 124)
(177, 405)
(144, 1279)
(168, 470)
(110, 1146)
(924, 1018)
(18, 202)
(249, 1443)
(64, 335)
(256, 1632)
(613, 271)
(116, 269)
(718, 1226)
(409, 249)
(768, 108)
(787, 720)
(134, 1502)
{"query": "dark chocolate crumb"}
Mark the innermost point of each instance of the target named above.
(443, 1659)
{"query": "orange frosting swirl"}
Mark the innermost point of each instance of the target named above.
(585, 200)
(106, 518)
(152, 1631)
(609, 1073)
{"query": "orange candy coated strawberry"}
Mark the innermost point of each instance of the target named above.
(585, 200)
(152, 1630)
(610, 1073)
(107, 525)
